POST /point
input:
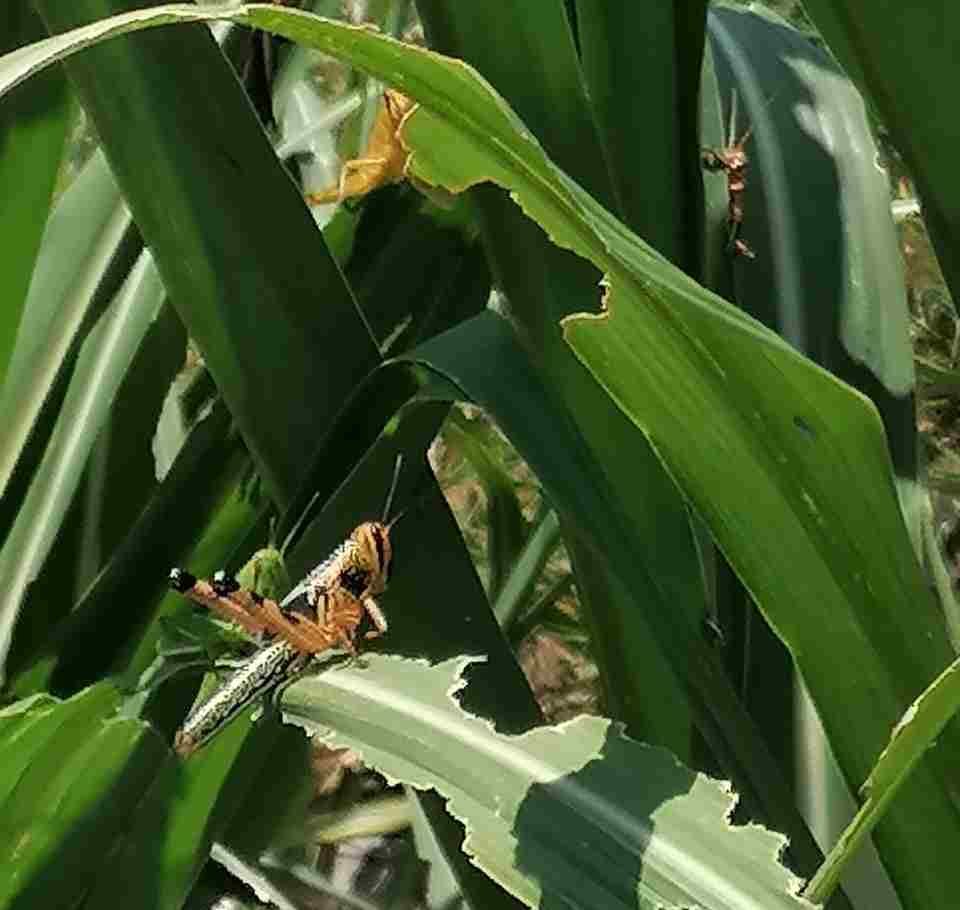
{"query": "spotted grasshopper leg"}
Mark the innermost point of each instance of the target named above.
(264, 672)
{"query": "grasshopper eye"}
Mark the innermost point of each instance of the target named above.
(381, 539)
(355, 580)
(382, 561)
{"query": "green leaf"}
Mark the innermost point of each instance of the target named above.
(266, 573)
(672, 356)
(543, 284)
(177, 847)
(915, 733)
(516, 593)
(33, 127)
(645, 105)
(100, 631)
(828, 277)
(194, 802)
(650, 503)
(79, 267)
(441, 889)
(210, 206)
(256, 298)
(576, 484)
(414, 274)
(549, 91)
(506, 527)
(420, 624)
(667, 842)
(913, 102)
(72, 779)
(828, 274)
(187, 806)
(833, 513)
(102, 364)
(117, 481)
(756, 431)
(435, 602)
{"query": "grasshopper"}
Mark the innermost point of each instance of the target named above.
(323, 612)
(383, 161)
(733, 161)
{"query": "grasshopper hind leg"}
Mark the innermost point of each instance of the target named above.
(264, 672)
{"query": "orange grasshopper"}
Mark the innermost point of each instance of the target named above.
(383, 161)
(324, 611)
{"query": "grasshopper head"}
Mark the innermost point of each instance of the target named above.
(373, 539)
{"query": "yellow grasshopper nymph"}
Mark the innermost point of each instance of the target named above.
(323, 612)
(383, 161)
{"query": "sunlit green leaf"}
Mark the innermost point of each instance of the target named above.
(916, 732)
(667, 841)
(790, 469)
(69, 790)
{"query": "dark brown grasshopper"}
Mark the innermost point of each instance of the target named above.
(733, 161)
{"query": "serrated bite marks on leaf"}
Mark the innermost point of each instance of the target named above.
(643, 822)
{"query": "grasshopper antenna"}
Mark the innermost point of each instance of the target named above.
(392, 491)
(396, 518)
(731, 128)
(299, 524)
(732, 135)
(423, 490)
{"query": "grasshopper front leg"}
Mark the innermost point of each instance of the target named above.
(376, 617)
